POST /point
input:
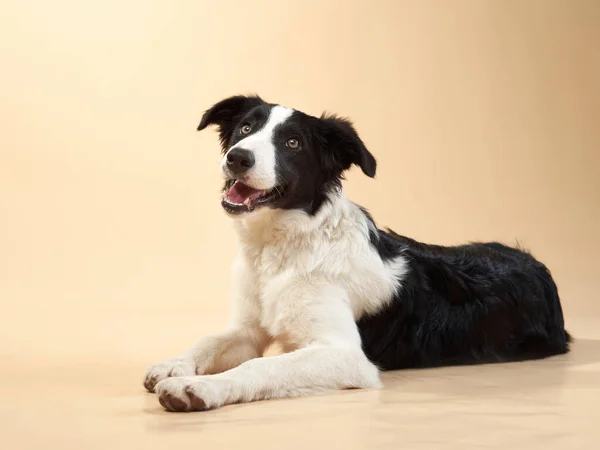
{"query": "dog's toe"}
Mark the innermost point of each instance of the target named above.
(175, 367)
(196, 403)
(173, 403)
(196, 393)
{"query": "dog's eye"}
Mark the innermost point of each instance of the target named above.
(245, 129)
(293, 143)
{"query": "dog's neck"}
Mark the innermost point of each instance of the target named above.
(271, 225)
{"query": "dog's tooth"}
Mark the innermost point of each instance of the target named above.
(249, 204)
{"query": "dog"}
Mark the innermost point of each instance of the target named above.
(343, 298)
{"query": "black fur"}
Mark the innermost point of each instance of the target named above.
(227, 114)
(476, 303)
(329, 146)
(344, 147)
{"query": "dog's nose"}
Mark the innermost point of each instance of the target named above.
(239, 160)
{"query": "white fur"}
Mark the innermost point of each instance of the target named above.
(262, 175)
(301, 281)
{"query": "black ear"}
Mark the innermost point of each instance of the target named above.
(227, 113)
(343, 147)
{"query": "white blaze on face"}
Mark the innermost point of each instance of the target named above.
(263, 175)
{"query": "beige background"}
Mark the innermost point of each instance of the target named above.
(113, 248)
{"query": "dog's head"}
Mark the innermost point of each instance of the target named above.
(282, 158)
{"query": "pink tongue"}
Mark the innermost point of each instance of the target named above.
(239, 192)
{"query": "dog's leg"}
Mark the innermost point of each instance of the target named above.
(312, 369)
(211, 354)
(317, 319)
(243, 340)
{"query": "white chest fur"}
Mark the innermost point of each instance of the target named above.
(296, 272)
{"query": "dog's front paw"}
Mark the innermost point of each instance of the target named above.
(192, 393)
(174, 367)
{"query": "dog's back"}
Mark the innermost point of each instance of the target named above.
(476, 303)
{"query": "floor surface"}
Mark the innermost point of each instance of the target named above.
(99, 403)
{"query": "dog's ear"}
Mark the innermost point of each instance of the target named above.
(343, 147)
(227, 113)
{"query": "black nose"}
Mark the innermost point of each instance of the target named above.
(239, 160)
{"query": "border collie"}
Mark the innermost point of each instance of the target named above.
(343, 298)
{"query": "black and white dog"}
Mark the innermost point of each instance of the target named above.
(343, 298)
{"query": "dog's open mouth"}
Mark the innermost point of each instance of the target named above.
(240, 198)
